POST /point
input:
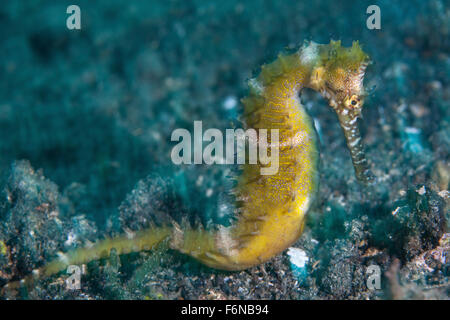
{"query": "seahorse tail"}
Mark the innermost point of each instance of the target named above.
(140, 241)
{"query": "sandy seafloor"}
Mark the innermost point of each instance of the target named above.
(85, 124)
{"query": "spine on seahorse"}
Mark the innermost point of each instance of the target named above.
(270, 209)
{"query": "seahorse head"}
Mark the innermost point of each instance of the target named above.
(338, 74)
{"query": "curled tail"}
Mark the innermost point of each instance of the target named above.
(196, 242)
(142, 241)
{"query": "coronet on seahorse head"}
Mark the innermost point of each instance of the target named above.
(338, 73)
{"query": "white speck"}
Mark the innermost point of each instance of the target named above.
(62, 257)
(156, 135)
(318, 128)
(129, 233)
(304, 206)
(412, 130)
(421, 191)
(395, 211)
(444, 194)
(71, 237)
(298, 257)
(309, 53)
(230, 103)
(314, 241)
(255, 85)
(223, 209)
(209, 192)
(54, 214)
(353, 121)
(199, 181)
(355, 142)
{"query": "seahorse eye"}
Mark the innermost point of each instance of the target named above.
(353, 101)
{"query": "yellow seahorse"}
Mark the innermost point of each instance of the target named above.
(272, 207)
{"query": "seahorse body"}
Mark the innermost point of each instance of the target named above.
(271, 208)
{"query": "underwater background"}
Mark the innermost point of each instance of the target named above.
(86, 118)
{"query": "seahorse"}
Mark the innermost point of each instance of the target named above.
(271, 208)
